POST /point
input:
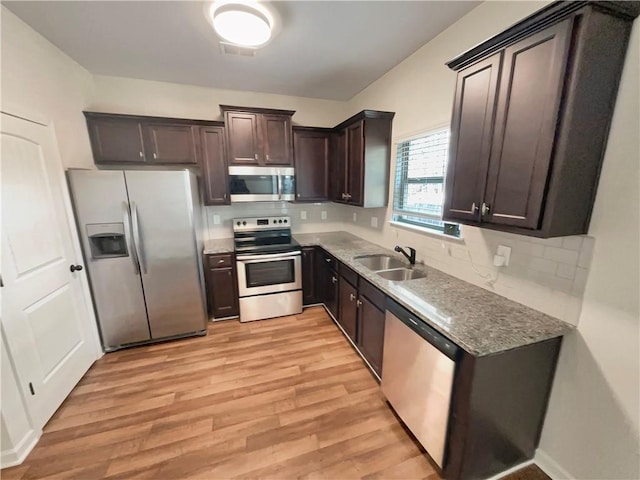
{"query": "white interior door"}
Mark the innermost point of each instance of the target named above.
(45, 315)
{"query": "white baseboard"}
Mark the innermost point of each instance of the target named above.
(549, 466)
(511, 470)
(15, 456)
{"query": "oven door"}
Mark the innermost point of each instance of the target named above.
(259, 274)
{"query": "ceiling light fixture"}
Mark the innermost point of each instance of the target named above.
(247, 24)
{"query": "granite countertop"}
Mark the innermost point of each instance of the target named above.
(481, 322)
(218, 245)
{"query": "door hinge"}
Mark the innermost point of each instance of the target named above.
(33, 392)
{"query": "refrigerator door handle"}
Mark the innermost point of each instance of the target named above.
(137, 242)
(128, 236)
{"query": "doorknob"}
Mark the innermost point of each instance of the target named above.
(75, 268)
(485, 209)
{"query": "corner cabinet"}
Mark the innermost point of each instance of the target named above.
(362, 159)
(311, 148)
(258, 136)
(531, 117)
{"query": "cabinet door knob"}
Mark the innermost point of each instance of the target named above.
(155, 156)
(224, 195)
(485, 209)
(298, 195)
(358, 303)
(141, 155)
(334, 279)
(255, 156)
(328, 260)
(352, 297)
(474, 208)
(347, 195)
(221, 261)
(267, 157)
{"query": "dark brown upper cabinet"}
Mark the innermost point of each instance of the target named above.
(115, 139)
(168, 143)
(311, 152)
(258, 136)
(131, 139)
(214, 165)
(363, 155)
(531, 117)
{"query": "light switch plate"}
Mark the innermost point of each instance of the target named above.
(216, 219)
(355, 217)
(323, 215)
(374, 222)
(303, 215)
(502, 257)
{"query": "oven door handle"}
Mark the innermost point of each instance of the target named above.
(268, 256)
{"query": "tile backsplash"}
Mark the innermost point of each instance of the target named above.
(548, 275)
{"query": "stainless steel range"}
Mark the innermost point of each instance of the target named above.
(269, 268)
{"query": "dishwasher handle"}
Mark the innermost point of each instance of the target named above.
(442, 343)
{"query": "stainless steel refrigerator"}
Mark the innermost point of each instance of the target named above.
(139, 232)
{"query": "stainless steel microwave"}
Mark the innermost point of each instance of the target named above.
(261, 184)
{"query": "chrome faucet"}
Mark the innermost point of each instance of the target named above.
(411, 257)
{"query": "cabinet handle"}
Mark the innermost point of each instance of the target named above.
(267, 157)
(328, 260)
(485, 209)
(229, 273)
(334, 279)
(298, 195)
(348, 195)
(224, 195)
(358, 303)
(155, 156)
(352, 297)
(220, 261)
(474, 208)
(141, 155)
(344, 195)
(255, 155)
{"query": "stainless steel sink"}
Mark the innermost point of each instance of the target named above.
(380, 262)
(401, 274)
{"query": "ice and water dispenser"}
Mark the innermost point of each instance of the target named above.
(107, 240)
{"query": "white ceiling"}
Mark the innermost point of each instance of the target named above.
(326, 49)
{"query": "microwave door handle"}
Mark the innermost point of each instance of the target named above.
(128, 236)
(279, 186)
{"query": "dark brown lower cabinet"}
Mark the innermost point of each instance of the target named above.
(371, 315)
(327, 281)
(222, 285)
(309, 281)
(348, 308)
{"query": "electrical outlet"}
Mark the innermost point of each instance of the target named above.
(374, 222)
(303, 215)
(355, 217)
(502, 256)
(323, 215)
(216, 219)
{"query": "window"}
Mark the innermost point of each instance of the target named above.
(419, 186)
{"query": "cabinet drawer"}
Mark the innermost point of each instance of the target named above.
(220, 261)
(349, 275)
(328, 259)
(374, 295)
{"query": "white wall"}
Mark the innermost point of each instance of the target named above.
(592, 426)
(591, 430)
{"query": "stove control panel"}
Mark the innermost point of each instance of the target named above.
(260, 223)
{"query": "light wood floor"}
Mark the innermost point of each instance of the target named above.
(282, 398)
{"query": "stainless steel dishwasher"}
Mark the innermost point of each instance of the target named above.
(418, 366)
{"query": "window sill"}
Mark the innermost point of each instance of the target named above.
(426, 231)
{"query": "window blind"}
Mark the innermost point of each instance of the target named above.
(419, 179)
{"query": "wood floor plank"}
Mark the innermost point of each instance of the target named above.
(282, 398)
